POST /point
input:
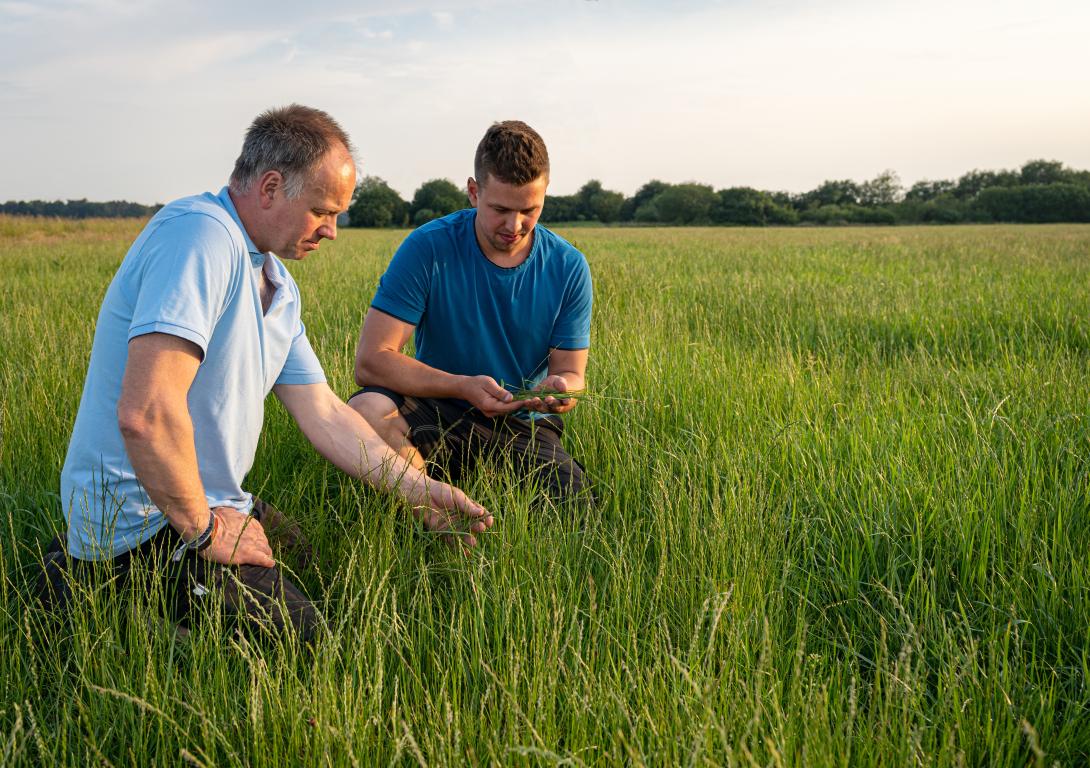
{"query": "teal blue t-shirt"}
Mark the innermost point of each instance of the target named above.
(194, 273)
(474, 318)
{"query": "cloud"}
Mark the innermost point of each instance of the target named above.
(19, 10)
(778, 96)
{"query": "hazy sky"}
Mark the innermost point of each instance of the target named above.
(148, 101)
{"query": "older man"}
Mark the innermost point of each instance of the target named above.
(200, 323)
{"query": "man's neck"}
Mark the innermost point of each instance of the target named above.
(244, 207)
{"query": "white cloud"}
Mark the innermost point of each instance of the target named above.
(738, 93)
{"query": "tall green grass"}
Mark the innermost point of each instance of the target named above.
(844, 520)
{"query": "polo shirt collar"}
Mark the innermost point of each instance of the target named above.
(257, 258)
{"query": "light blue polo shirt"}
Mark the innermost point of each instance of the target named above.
(194, 273)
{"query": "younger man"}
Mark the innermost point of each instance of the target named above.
(497, 304)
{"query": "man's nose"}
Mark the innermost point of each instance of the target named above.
(329, 230)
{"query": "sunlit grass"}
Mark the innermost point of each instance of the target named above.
(844, 520)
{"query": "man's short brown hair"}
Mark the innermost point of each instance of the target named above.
(512, 152)
(292, 140)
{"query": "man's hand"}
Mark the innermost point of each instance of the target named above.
(551, 403)
(344, 437)
(444, 508)
(488, 397)
(239, 540)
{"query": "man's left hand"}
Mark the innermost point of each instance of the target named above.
(551, 403)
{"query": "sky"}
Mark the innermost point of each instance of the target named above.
(149, 101)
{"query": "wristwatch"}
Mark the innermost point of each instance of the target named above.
(200, 543)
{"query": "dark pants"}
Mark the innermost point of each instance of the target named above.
(257, 597)
(455, 436)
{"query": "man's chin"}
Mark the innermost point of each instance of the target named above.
(500, 244)
(298, 253)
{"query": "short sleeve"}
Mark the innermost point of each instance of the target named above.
(572, 327)
(403, 288)
(185, 271)
(302, 366)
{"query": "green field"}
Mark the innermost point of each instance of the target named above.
(844, 520)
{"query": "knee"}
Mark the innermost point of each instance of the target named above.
(51, 588)
(382, 414)
(263, 599)
(567, 482)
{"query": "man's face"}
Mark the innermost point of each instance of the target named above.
(297, 225)
(506, 213)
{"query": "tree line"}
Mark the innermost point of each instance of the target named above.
(78, 209)
(1038, 192)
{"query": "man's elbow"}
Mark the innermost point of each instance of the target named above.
(134, 423)
(362, 379)
(366, 375)
(142, 420)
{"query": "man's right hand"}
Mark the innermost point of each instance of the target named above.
(239, 540)
(442, 507)
(487, 396)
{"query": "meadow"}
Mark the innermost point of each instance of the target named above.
(843, 521)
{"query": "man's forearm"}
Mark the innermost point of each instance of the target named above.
(345, 438)
(159, 441)
(408, 376)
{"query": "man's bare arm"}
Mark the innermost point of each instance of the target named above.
(380, 361)
(344, 437)
(153, 415)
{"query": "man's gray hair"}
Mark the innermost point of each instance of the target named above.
(292, 140)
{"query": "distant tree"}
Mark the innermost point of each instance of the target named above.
(375, 204)
(648, 213)
(1035, 203)
(586, 193)
(688, 203)
(599, 204)
(423, 216)
(606, 206)
(944, 209)
(922, 191)
(838, 193)
(1044, 172)
(786, 199)
(438, 197)
(848, 214)
(969, 185)
(643, 196)
(559, 208)
(883, 189)
(750, 207)
(779, 214)
(859, 214)
(826, 214)
(78, 209)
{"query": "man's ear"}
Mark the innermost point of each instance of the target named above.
(472, 190)
(269, 186)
